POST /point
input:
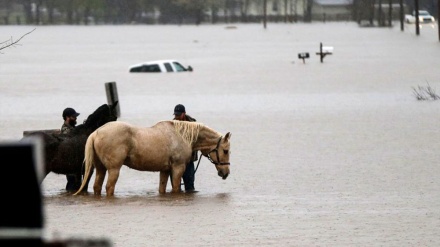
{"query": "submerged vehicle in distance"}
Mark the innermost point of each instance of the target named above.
(169, 65)
(424, 17)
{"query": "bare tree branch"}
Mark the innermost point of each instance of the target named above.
(10, 42)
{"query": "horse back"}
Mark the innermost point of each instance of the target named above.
(141, 148)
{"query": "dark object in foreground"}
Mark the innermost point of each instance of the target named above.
(20, 227)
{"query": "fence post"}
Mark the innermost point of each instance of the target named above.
(112, 96)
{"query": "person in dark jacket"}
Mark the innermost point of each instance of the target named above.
(189, 174)
(69, 116)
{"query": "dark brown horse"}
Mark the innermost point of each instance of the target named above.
(64, 153)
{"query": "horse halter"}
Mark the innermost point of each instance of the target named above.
(216, 152)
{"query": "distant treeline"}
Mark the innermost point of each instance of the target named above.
(88, 12)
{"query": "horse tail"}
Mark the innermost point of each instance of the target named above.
(89, 153)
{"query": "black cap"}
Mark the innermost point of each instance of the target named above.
(179, 109)
(70, 112)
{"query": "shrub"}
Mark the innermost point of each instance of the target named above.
(425, 93)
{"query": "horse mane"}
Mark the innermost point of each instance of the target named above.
(189, 131)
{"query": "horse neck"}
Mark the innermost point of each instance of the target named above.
(83, 129)
(207, 140)
(99, 117)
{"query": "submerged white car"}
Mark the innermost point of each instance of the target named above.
(160, 66)
(424, 17)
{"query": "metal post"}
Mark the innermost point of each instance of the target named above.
(112, 96)
(320, 50)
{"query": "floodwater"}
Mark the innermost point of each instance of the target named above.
(338, 153)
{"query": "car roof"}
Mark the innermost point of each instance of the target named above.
(154, 62)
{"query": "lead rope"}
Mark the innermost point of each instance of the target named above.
(198, 163)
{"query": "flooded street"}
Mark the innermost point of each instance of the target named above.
(338, 153)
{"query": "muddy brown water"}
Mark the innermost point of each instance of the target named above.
(338, 153)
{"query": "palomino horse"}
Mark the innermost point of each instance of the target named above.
(165, 147)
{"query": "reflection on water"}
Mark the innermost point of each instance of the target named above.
(126, 198)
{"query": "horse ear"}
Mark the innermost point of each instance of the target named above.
(228, 136)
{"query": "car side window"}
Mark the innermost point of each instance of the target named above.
(168, 67)
(136, 69)
(152, 68)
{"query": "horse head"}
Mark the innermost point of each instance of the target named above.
(104, 114)
(219, 156)
(211, 143)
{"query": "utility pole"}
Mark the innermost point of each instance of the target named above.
(264, 13)
(438, 18)
(390, 13)
(416, 9)
(401, 15)
(379, 17)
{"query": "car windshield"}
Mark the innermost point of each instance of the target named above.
(179, 67)
(422, 12)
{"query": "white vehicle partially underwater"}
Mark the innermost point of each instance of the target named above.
(160, 66)
(424, 17)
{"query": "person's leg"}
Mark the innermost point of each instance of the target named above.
(188, 177)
